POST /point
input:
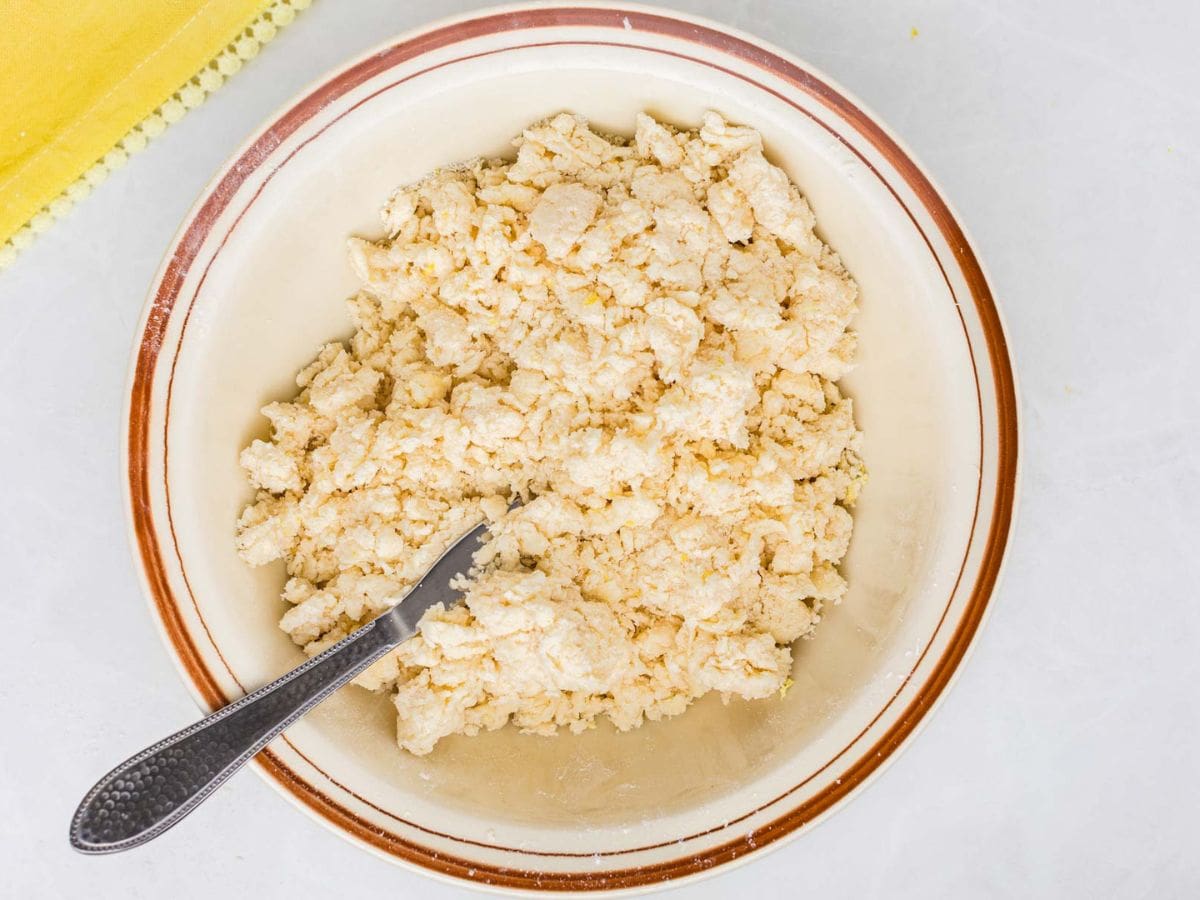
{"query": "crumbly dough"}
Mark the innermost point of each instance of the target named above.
(641, 338)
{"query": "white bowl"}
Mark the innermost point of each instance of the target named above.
(254, 283)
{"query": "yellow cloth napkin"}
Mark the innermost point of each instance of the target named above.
(83, 85)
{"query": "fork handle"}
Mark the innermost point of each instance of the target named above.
(148, 793)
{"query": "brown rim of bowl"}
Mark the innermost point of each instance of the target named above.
(186, 248)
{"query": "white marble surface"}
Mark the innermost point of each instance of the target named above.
(1063, 764)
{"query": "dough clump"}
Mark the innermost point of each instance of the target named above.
(642, 339)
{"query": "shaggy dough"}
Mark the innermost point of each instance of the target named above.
(644, 338)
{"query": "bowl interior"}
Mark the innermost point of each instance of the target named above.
(275, 294)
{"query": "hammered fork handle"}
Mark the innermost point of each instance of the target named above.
(150, 792)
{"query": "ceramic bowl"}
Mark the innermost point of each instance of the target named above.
(254, 284)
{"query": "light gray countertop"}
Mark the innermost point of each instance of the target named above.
(1065, 760)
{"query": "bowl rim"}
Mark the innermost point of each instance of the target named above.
(514, 19)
